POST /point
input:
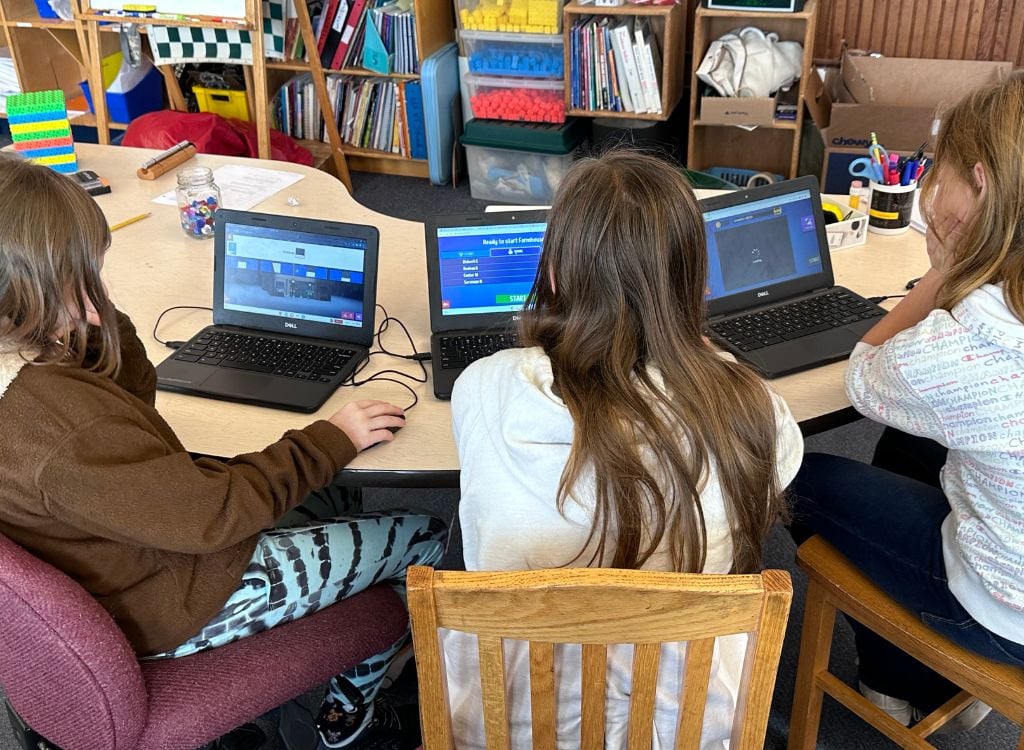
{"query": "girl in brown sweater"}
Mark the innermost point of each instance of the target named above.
(97, 484)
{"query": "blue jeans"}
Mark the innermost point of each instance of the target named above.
(888, 525)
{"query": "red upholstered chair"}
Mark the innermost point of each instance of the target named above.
(70, 674)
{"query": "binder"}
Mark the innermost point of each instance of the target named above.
(414, 116)
(354, 16)
(440, 78)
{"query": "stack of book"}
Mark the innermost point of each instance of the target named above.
(342, 27)
(379, 114)
(614, 65)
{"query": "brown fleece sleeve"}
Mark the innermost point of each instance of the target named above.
(117, 480)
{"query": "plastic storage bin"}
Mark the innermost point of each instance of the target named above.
(518, 163)
(224, 102)
(516, 99)
(527, 55)
(147, 96)
(519, 16)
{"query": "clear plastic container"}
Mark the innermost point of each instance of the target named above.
(198, 199)
(517, 16)
(521, 177)
(516, 99)
(525, 55)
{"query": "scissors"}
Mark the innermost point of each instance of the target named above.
(867, 167)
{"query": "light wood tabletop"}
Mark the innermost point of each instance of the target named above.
(152, 266)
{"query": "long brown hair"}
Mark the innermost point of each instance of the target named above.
(618, 307)
(986, 127)
(52, 240)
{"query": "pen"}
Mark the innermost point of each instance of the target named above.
(126, 222)
(909, 173)
(920, 169)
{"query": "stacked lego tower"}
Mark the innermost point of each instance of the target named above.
(41, 131)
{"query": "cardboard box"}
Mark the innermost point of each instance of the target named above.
(900, 99)
(737, 110)
(849, 233)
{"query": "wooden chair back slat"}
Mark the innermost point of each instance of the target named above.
(542, 694)
(597, 608)
(492, 684)
(644, 687)
(595, 665)
(697, 672)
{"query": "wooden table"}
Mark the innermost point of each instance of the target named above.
(152, 266)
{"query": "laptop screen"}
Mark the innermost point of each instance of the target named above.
(761, 243)
(292, 274)
(488, 268)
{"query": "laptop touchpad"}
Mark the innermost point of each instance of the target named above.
(238, 383)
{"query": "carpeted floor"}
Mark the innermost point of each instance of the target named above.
(415, 199)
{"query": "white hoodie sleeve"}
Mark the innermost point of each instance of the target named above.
(888, 383)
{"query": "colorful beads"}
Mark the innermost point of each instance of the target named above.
(519, 105)
(197, 217)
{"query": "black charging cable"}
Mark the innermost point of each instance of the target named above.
(383, 375)
(156, 326)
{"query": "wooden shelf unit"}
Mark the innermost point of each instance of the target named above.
(668, 24)
(768, 148)
(435, 27)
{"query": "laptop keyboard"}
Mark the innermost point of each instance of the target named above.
(458, 352)
(795, 320)
(292, 359)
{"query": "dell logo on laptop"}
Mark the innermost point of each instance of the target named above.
(291, 325)
(763, 293)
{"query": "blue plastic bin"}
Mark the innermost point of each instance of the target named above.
(45, 11)
(147, 96)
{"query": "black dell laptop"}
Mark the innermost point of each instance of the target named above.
(772, 298)
(480, 270)
(293, 312)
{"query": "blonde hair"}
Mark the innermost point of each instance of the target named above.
(52, 240)
(986, 127)
(618, 306)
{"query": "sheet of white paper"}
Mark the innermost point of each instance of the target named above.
(241, 188)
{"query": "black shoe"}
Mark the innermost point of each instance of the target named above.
(389, 727)
(339, 725)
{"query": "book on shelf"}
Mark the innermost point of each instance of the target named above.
(375, 114)
(340, 27)
(615, 65)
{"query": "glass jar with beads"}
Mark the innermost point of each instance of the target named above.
(198, 199)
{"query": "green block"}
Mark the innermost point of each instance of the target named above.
(41, 136)
(36, 102)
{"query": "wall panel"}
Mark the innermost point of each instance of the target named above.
(948, 29)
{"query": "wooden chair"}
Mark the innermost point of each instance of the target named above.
(834, 584)
(598, 608)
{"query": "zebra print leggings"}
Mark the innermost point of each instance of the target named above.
(320, 553)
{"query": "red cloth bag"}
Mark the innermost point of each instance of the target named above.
(211, 134)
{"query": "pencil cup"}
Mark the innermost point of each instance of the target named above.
(890, 208)
(198, 199)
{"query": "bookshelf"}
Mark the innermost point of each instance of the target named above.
(668, 24)
(435, 27)
(47, 52)
(769, 148)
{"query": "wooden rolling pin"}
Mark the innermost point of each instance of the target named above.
(163, 163)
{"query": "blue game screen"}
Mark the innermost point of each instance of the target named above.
(294, 275)
(758, 244)
(488, 269)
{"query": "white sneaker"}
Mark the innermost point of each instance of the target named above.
(906, 714)
(898, 709)
(969, 718)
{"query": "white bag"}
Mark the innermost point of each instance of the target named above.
(748, 62)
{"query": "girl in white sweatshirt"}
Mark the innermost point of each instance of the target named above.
(617, 437)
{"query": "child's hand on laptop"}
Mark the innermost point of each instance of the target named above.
(368, 422)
